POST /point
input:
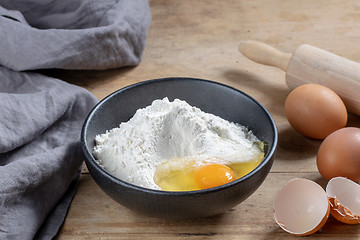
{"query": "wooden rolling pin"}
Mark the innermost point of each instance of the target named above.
(309, 64)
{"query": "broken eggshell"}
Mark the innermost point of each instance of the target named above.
(301, 207)
(344, 198)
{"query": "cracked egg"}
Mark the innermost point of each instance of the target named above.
(302, 206)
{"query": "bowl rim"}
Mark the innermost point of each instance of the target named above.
(91, 159)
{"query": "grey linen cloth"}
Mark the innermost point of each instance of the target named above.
(41, 117)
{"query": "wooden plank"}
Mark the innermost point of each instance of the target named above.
(200, 39)
(94, 215)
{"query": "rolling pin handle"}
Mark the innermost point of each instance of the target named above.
(264, 54)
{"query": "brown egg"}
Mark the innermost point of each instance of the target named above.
(339, 154)
(315, 111)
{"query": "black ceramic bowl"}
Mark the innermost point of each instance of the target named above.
(221, 100)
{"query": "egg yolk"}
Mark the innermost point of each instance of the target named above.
(181, 175)
(213, 175)
(197, 172)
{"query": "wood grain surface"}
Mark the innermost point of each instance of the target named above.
(200, 39)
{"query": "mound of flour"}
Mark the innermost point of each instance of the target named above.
(166, 130)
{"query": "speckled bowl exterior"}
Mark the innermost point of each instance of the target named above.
(211, 97)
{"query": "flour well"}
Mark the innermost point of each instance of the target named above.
(166, 130)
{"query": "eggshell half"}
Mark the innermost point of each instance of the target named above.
(344, 198)
(301, 207)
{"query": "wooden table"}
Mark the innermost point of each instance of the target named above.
(200, 39)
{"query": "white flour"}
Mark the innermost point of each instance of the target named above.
(165, 130)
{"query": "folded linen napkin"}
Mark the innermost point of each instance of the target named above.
(41, 117)
(72, 34)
